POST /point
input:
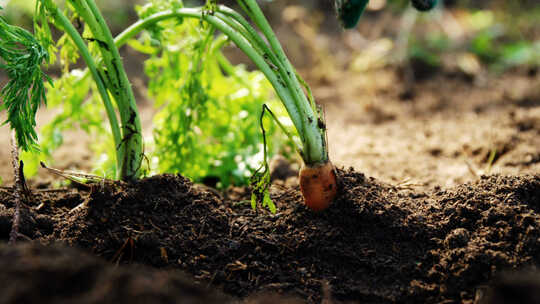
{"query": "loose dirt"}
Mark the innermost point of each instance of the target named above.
(377, 244)
(32, 273)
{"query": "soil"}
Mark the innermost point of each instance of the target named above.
(32, 273)
(377, 244)
(439, 202)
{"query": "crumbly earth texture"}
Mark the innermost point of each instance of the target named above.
(33, 273)
(377, 243)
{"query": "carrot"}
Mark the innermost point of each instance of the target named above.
(318, 184)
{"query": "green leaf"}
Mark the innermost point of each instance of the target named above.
(145, 47)
(253, 201)
(21, 57)
(267, 202)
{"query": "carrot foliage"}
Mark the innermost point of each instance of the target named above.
(206, 125)
(206, 109)
(21, 57)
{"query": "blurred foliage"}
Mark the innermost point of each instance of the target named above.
(495, 37)
(19, 11)
(496, 44)
(118, 13)
(207, 124)
(207, 121)
(510, 39)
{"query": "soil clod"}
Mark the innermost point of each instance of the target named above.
(376, 244)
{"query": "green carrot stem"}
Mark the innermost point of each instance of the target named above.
(284, 79)
(279, 85)
(64, 22)
(313, 139)
(281, 126)
(265, 51)
(129, 114)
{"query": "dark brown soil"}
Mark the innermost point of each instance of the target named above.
(32, 273)
(377, 244)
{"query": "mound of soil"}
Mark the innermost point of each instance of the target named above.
(377, 243)
(32, 273)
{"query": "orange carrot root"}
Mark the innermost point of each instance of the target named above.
(318, 185)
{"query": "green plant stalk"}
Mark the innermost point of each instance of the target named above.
(263, 49)
(120, 88)
(241, 25)
(314, 138)
(241, 41)
(64, 22)
(252, 34)
(288, 88)
(111, 79)
(279, 86)
(234, 20)
(266, 52)
(280, 125)
(229, 69)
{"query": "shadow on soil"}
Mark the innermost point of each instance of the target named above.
(376, 244)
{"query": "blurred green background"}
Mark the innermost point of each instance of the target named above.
(498, 33)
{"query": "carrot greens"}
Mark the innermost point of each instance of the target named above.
(198, 86)
(21, 57)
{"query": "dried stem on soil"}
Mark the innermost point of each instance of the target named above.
(20, 190)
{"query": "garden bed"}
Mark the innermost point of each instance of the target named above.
(378, 243)
(440, 235)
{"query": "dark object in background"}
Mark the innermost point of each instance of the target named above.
(424, 5)
(349, 11)
(522, 288)
(450, 3)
